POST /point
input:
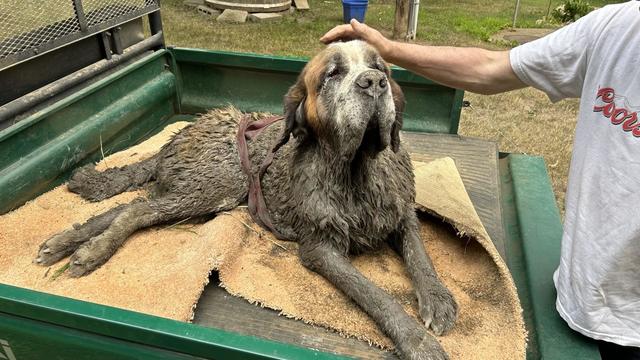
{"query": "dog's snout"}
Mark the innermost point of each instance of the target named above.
(373, 82)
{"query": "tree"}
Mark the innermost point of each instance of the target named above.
(401, 22)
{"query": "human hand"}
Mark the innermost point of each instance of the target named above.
(357, 30)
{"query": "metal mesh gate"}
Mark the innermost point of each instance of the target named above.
(98, 11)
(31, 27)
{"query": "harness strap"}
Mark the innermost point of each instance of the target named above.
(248, 130)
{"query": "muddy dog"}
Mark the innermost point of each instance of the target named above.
(343, 185)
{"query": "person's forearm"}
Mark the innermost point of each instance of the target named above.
(472, 69)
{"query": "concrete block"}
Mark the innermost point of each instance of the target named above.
(205, 10)
(233, 16)
(289, 11)
(261, 17)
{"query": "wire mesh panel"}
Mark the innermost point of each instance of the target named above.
(25, 24)
(98, 11)
(30, 27)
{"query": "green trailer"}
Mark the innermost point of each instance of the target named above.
(110, 81)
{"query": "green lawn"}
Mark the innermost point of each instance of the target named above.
(468, 22)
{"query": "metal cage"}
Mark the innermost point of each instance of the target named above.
(30, 28)
(50, 46)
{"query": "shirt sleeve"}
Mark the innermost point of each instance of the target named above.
(557, 63)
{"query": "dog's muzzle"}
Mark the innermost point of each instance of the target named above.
(373, 87)
(375, 138)
(372, 82)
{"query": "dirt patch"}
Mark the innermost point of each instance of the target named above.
(520, 36)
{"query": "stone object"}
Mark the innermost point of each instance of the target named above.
(193, 3)
(301, 4)
(262, 17)
(205, 10)
(230, 16)
(252, 6)
(289, 11)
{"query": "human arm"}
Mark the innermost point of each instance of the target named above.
(472, 69)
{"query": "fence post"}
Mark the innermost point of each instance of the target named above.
(401, 20)
(515, 13)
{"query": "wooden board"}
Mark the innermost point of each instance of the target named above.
(301, 4)
(477, 163)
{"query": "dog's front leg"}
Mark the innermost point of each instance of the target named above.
(411, 338)
(436, 305)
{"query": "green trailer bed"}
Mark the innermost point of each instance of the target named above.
(111, 112)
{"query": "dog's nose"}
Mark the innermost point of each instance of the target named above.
(372, 82)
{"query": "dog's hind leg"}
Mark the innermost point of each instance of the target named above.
(95, 252)
(101, 247)
(65, 243)
(411, 338)
(96, 185)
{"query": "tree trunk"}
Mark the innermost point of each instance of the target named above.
(401, 23)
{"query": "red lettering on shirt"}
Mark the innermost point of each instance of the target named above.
(617, 116)
(632, 125)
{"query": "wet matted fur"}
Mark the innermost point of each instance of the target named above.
(344, 185)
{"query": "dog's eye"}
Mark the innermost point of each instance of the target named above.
(334, 71)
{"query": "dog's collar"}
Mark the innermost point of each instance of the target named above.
(248, 130)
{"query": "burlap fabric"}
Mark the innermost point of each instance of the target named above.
(163, 270)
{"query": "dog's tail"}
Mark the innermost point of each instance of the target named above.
(96, 185)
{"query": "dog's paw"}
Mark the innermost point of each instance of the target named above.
(91, 255)
(59, 246)
(437, 307)
(421, 346)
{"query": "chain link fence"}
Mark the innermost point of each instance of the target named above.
(31, 27)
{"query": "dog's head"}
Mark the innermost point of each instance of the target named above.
(345, 98)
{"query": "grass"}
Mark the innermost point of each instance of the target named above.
(520, 121)
(464, 23)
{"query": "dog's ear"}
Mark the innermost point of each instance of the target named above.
(294, 112)
(398, 100)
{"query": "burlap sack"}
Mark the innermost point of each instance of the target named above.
(163, 270)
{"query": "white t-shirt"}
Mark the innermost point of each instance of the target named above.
(597, 58)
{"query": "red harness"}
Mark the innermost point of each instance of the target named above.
(248, 130)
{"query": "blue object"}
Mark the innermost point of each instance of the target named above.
(354, 9)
